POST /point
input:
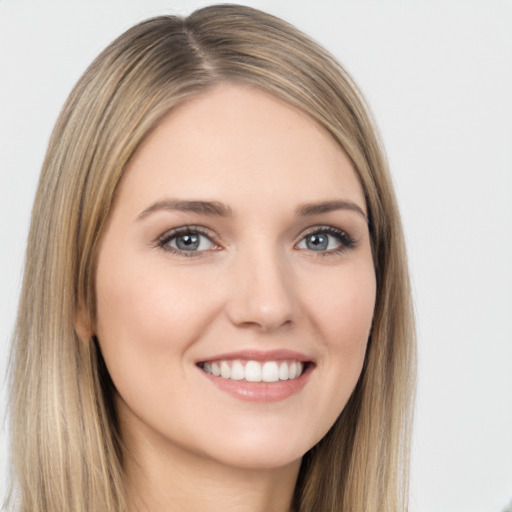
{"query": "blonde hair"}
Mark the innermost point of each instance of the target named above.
(66, 447)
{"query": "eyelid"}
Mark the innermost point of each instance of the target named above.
(163, 240)
(347, 242)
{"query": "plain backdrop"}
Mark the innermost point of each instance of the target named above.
(438, 75)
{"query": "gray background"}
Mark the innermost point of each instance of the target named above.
(438, 75)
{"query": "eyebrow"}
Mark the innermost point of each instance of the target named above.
(218, 209)
(209, 208)
(329, 206)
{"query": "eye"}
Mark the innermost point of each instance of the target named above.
(187, 241)
(326, 239)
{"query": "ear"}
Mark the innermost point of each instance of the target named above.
(83, 325)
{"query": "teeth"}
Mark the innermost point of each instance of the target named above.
(283, 371)
(254, 371)
(225, 370)
(292, 372)
(270, 372)
(215, 369)
(237, 371)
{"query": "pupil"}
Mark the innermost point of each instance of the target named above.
(187, 242)
(317, 242)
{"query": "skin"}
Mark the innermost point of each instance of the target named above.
(254, 284)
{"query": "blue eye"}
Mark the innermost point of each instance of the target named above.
(186, 240)
(326, 240)
(192, 241)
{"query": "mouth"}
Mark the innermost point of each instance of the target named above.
(255, 371)
(258, 376)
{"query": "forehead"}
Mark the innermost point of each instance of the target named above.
(235, 143)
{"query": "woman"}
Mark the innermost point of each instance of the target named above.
(215, 310)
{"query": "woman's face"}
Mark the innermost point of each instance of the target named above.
(238, 244)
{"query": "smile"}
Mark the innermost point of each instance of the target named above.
(254, 371)
(258, 376)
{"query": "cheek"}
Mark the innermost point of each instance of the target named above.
(343, 309)
(146, 318)
(343, 315)
(135, 296)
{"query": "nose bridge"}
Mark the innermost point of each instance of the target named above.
(262, 288)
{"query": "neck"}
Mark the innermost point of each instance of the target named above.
(172, 479)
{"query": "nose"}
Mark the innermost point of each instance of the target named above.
(262, 292)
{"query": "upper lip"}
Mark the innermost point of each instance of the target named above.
(259, 355)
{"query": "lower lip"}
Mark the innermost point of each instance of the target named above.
(260, 391)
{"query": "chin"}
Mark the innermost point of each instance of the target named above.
(262, 448)
(260, 458)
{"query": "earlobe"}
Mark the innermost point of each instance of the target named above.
(82, 321)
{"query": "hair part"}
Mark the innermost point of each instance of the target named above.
(66, 448)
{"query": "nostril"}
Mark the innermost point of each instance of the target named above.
(262, 292)
(250, 314)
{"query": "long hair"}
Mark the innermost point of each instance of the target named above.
(66, 448)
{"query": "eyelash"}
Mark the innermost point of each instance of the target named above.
(165, 239)
(346, 242)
